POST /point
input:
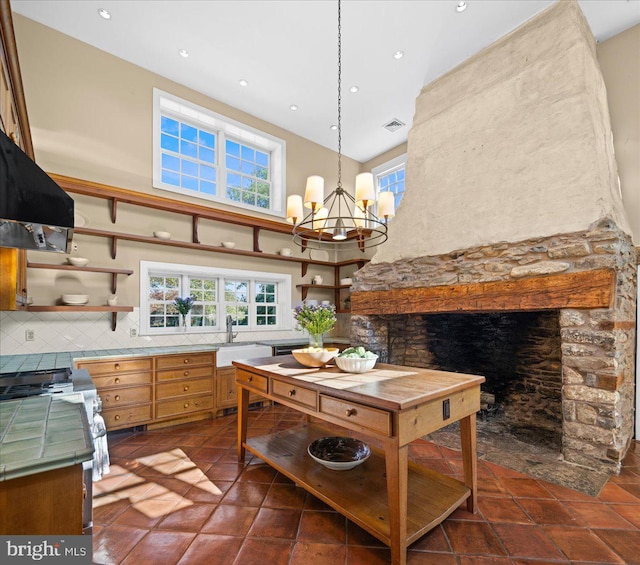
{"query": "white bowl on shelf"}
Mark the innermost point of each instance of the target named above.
(339, 453)
(75, 299)
(162, 234)
(347, 281)
(77, 261)
(355, 364)
(228, 244)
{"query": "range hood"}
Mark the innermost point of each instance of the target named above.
(35, 213)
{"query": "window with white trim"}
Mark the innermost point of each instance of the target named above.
(197, 152)
(254, 300)
(390, 177)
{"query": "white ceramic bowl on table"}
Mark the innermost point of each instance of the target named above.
(310, 357)
(356, 364)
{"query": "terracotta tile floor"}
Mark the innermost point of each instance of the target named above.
(178, 495)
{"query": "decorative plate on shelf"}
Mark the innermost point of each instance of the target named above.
(339, 453)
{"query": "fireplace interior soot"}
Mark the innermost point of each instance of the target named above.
(519, 353)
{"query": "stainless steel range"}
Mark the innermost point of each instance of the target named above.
(23, 384)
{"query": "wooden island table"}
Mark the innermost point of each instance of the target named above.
(393, 405)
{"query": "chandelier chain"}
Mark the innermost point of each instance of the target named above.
(339, 97)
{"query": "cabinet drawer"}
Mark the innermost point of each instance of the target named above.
(121, 366)
(184, 406)
(250, 380)
(371, 418)
(126, 395)
(185, 387)
(295, 393)
(177, 361)
(121, 380)
(183, 373)
(126, 416)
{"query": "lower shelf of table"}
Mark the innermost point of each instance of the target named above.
(360, 493)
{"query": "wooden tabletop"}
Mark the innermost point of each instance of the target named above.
(389, 387)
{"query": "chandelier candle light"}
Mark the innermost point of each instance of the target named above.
(340, 218)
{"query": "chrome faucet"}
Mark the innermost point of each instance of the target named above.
(230, 334)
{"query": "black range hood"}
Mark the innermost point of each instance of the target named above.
(35, 213)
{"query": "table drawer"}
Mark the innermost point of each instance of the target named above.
(249, 380)
(371, 418)
(121, 366)
(176, 361)
(184, 406)
(122, 380)
(126, 417)
(183, 372)
(126, 395)
(294, 393)
(182, 388)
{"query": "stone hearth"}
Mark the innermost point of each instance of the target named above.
(594, 313)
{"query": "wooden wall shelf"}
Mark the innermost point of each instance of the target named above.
(113, 272)
(113, 309)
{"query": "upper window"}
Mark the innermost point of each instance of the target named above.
(200, 153)
(390, 177)
(254, 300)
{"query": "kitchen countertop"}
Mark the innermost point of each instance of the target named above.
(42, 433)
(61, 360)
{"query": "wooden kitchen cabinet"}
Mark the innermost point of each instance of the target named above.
(125, 387)
(184, 386)
(227, 390)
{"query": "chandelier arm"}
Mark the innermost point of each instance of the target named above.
(339, 95)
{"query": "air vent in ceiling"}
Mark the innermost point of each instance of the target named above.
(393, 125)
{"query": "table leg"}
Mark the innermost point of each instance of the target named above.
(469, 461)
(243, 416)
(397, 481)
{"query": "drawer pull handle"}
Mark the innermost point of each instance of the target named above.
(186, 405)
(117, 397)
(186, 361)
(117, 365)
(117, 417)
(292, 392)
(351, 412)
(186, 373)
(117, 380)
(186, 388)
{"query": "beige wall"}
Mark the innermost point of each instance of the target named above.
(91, 118)
(620, 63)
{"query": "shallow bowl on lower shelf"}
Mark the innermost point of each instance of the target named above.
(314, 357)
(339, 453)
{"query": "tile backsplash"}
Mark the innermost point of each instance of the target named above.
(78, 331)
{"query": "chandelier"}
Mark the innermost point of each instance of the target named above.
(340, 220)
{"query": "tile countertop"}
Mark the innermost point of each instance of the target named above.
(43, 433)
(42, 361)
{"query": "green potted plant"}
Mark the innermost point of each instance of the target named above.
(184, 306)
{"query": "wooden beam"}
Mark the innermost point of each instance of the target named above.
(585, 289)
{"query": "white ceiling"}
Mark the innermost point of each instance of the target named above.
(287, 51)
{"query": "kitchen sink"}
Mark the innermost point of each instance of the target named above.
(240, 352)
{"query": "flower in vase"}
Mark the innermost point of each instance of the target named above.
(184, 306)
(316, 319)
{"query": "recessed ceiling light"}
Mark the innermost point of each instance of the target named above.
(461, 6)
(243, 82)
(184, 53)
(293, 107)
(104, 14)
(354, 89)
(333, 127)
(398, 54)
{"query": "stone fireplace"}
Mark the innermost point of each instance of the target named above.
(511, 254)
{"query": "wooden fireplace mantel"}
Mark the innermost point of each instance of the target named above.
(584, 289)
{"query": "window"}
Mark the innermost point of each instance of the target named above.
(390, 177)
(203, 154)
(254, 300)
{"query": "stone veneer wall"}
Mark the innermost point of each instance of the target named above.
(597, 344)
